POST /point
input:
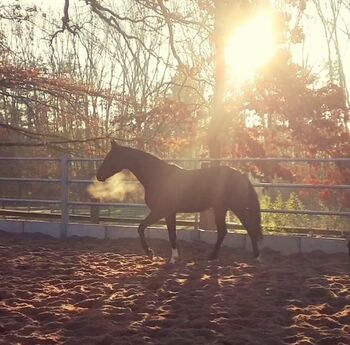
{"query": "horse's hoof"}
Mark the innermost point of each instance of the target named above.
(150, 254)
(173, 261)
(259, 260)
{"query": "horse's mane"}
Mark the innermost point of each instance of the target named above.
(144, 155)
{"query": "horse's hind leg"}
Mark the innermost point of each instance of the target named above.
(149, 220)
(247, 221)
(220, 215)
(171, 225)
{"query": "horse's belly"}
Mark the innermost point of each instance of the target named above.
(190, 195)
(193, 202)
(192, 208)
(179, 203)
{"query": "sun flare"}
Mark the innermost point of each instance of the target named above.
(251, 46)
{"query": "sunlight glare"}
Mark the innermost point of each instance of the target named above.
(251, 46)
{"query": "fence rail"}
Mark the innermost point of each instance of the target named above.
(65, 182)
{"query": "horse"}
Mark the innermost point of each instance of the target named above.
(170, 189)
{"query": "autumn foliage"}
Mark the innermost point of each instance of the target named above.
(49, 108)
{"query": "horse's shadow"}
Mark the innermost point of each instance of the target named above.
(232, 300)
(235, 300)
(197, 301)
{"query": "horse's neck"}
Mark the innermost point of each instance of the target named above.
(146, 168)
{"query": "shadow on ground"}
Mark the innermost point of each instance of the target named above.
(89, 291)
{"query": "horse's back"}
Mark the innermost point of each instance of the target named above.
(195, 190)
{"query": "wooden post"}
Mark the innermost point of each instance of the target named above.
(64, 195)
(95, 212)
(206, 218)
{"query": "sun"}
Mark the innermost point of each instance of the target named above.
(251, 46)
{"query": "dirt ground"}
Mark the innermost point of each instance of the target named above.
(89, 291)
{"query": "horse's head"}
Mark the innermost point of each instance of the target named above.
(112, 164)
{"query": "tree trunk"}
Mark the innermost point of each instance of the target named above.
(216, 125)
(217, 108)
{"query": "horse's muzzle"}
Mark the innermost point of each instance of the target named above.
(100, 178)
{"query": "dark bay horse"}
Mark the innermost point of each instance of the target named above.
(170, 189)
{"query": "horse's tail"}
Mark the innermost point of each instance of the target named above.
(254, 207)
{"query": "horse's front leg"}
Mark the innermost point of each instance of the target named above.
(171, 225)
(149, 220)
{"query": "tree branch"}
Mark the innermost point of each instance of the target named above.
(167, 19)
(65, 23)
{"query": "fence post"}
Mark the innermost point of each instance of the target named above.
(64, 195)
(196, 215)
(95, 212)
(206, 218)
(95, 209)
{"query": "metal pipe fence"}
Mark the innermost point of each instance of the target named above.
(65, 182)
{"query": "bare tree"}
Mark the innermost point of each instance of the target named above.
(332, 15)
